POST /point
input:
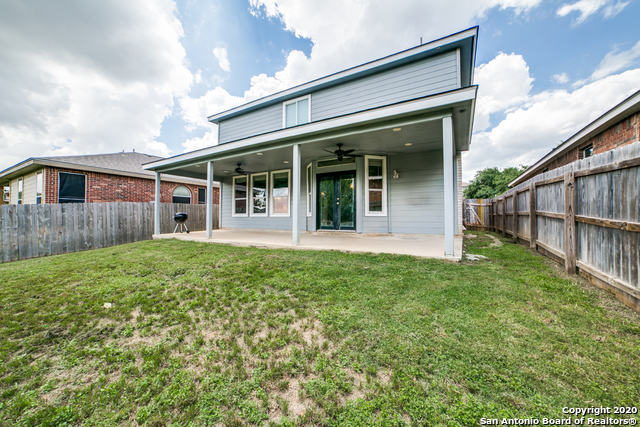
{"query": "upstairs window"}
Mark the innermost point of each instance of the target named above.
(296, 112)
(39, 188)
(71, 187)
(181, 195)
(376, 181)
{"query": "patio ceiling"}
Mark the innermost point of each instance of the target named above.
(423, 136)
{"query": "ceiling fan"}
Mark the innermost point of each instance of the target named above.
(343, 153)
(240, 171)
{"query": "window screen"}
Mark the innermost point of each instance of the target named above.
(240, 195)
(259, 194)
(280, 193)
(202, 195)
(71, 188)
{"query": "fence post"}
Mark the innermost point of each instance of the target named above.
(493, 216)
(504, 216)
(569, 223)
(533, 223)
(515, 217)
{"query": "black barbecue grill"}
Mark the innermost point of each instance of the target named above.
(180, 218)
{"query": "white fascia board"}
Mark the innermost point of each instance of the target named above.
(16, 168)
(603, 122)
(301, 133)
(436, 44)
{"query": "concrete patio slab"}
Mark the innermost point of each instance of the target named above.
(419, 245)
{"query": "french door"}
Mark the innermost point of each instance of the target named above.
(336, 201)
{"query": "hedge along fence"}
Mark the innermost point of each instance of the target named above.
(31, 231)
(585, 215)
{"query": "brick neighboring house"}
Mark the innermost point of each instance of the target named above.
(116, 177)
(615, 128)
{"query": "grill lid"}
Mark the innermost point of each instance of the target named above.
(181, 217)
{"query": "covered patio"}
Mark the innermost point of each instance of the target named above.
(419, 245)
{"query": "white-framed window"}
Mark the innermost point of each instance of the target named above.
(587, 151)
(296, 112)
(309, 190)
(240, 205)
(375, 169)
(20, 190)
(39, 185)
(280, 190)
(259, 194)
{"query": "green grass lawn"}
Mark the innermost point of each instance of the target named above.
(201, 334)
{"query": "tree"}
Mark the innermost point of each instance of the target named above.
(491, 182)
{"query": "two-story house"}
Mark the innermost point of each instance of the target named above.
(371, 149)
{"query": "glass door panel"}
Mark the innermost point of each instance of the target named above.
(326, 204)
(346, 205)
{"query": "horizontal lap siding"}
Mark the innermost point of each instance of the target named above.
(265, 120)
(417, 196)
(411, 81)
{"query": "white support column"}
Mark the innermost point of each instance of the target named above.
(209, 199)
(449, 189)
(295, 196)
(156, 207)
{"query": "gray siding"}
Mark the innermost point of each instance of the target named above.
(410, 81)
(417, 197)
(415, 80)
(258, 122)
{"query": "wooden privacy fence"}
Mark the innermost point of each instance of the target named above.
(585, 215)
(31, 231)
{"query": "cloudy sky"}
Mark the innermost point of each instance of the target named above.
(82, 77)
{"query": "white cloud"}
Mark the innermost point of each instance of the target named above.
(560, 78)
(209, 139)
(615, 61)
(221, 55)
(359, 33)
(82, 78)
(586, 8)
(544, 120)
(503, 82)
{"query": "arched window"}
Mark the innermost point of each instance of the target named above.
(181, 195)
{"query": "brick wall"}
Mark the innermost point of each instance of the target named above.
(115, 188)
(622, 133)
